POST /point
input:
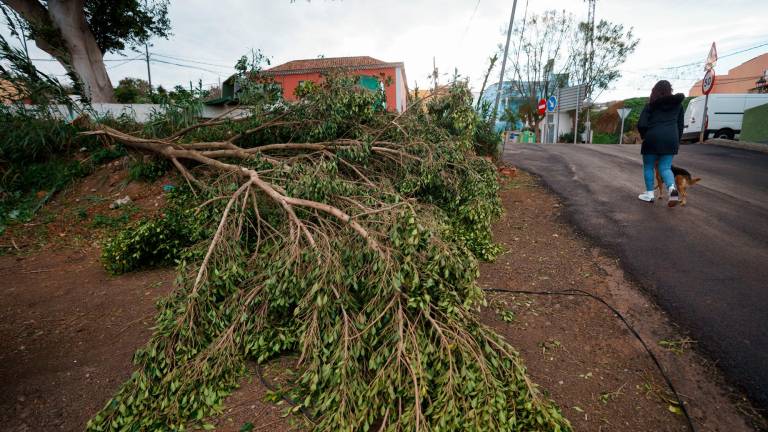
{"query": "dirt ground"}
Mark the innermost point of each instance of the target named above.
(69, 331)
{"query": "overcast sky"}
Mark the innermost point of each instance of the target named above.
(458, 33)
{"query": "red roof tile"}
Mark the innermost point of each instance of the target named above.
(319, 64)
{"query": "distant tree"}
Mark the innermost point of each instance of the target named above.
(510, 117)
(553, 51)
(540, 59)
(132, 90)
(598, 68)
(78, 33)
(491, 63)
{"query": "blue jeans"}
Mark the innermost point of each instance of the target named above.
(665, 168)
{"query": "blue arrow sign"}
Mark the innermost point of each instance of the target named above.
(551, 104)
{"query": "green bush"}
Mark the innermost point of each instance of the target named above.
(148, 170)
(158, 241)
(605, 138)
(28, 136)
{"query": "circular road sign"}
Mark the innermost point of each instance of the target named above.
(551, 104)
(542, 106)
(708, 82)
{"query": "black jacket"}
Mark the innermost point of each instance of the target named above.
(661, 125)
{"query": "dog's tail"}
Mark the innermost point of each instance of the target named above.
(695, 180)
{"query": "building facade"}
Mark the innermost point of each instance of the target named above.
(748, 77)
(373, 74)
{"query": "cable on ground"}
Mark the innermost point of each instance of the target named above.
(287, 399)
(581, 293)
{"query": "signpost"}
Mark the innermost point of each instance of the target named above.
(551, 104)
(623, 113)
(707, 84)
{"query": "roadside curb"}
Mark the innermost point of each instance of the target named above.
(763, 148)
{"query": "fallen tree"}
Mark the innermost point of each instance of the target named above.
(345, 235)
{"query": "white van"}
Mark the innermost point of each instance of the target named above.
(725, 112)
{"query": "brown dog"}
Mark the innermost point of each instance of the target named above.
(683, 180)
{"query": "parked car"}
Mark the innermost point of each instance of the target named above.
(725, 114)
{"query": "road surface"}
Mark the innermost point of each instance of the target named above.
(706, 263)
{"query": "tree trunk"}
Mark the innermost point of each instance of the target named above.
(86, 59)
(74, 46)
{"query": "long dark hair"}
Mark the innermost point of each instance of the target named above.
(662, 89)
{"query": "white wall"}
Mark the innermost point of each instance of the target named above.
(142, 112)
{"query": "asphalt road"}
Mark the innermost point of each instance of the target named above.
(706, 264)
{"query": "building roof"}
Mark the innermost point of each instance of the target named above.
(8, 92)
(323, 64)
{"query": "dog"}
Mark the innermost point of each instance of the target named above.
(683, 180)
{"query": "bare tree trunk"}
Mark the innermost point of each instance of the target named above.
(75, 47)
(485, 81)
(85, 56)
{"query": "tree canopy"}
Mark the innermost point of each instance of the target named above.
(78, 33)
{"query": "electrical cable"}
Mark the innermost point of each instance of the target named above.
(186, 66)
(719, 57)
(581, 293)
(190, 60)
(287, 399)
(139, 57)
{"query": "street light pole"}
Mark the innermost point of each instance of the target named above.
(503, 66)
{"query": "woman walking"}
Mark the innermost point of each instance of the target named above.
(661, 128)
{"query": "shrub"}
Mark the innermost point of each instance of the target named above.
(156, 242)
(147, 169)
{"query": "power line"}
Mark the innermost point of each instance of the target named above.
(190, 60)
(186, 66)
(722, 57)
(469, 23)
(125, 62)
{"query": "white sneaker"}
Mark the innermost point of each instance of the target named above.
(648, 196)
(674, 197)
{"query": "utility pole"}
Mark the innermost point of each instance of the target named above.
(434, 74)
(146, 56)
(589, 53)
(503, 66)
(149, 72)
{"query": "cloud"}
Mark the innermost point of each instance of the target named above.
(415, 31)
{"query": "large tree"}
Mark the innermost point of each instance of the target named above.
(78, 33)
(553, 50)
(597, 54)
(540, 60)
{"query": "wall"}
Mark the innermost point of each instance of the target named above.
(142, 112)
(740, 79)
(755, 125)
(290, 82)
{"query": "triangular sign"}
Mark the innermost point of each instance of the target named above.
(711, 58)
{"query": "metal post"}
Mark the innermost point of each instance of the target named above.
(621, 132)
(576, 124)
(503, 66)
(149, 72)
(557, 118)
(704, 119)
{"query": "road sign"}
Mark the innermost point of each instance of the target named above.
(542, 106)
(711, 58)
(551, 104)
(708, 82)
(623, 113)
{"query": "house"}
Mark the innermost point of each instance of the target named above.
(748, 77)
(9, 93)
(373, 75)
(515, 95)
